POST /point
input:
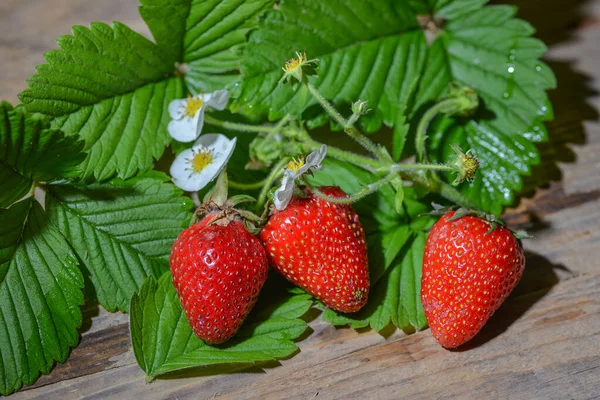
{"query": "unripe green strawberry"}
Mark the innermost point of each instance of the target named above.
(218, 270)
(320, 246)
(468, 272)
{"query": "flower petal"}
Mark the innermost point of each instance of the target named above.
(284, 193)
(218, 99)
(181, 170)
(184, 129)
(313, 161)
(220, 143)
(200, 120)
(180, 167)
(177, 108)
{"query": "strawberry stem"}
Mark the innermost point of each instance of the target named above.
(247, 186)
(235, 126)
(346, 124)
(444, 106)
(365, 191)
(276, 172)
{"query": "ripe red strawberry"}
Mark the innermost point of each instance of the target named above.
(320, 246)
(218, 270)
(467, 274)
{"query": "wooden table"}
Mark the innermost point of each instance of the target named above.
(543, 343)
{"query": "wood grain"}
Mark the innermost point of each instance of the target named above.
(543, 343)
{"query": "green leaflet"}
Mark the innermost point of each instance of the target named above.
(370, 51)
(40, 295)
(111, 86)
(122, 231)
(203, 35)
(164, 342)
(215, 29)
(108, 85)
(166, 20)
(30, 151)
(395, 242)
(492, 52)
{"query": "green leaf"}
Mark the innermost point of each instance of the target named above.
(451, 9)
(122, 231)
(110, 86)
(40, 295)
(204, 36)
(395, 244)
(30, 151)
(492, 52)
(167, 22)
(368, 50)
(215, 29)
(164, 342)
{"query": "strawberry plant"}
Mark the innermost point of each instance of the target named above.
(248, 91)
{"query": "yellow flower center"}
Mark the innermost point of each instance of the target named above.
(295, 165)
(202, 159)
(294, 63)
(192, 105)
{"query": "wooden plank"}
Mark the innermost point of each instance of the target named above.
(536, 346)
(29, 28)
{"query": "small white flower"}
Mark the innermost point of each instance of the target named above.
(194, 168)
(293, 171)
(187, 115)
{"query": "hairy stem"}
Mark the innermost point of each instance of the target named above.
(345, 124)
(367, 163)
(247, 186)
(276, 129)
(367, 190)
(443, 106)
(234, 126)
(276, 172)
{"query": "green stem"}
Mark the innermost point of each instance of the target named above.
(418, 166)
(449, 192)
(367, 163)
(346, 125)
(246, 186)
(443, 106)
(367, 190)
(276, 172)
(276, 129)
(326, 105)
(435, 185)
(234, 126)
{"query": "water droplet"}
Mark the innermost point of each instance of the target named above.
(511, 69)
(538, 68)
(506, 95)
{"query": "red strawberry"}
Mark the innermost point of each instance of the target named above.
(320, 246)
(218, 270)
(467, 274)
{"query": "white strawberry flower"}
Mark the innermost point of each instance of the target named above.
(187, 115)
(293, 171)
(194, 168)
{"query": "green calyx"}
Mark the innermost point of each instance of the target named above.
(221, 210)
(492, 220)
(464, 164)
(298, 68)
